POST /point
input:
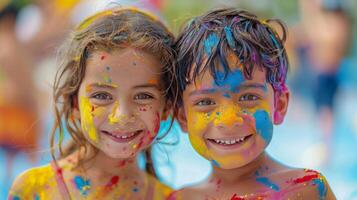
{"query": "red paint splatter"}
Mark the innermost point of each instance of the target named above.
(112, 183)
(142, 109)
(306, 178)
(122, 163)
(102, 57)
(236, 197)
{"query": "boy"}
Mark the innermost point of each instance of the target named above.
(231, 73)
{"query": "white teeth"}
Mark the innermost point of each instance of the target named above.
(229, 142)
(125, 136)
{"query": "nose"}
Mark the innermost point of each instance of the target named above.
(228, 117)
(121, 113)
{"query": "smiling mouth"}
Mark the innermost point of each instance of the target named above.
(127, 137)
(230, 142)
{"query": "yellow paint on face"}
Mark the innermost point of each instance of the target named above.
(112, 117)
(226, 115)
(87, 118)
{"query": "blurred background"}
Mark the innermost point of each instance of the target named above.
(320, 130)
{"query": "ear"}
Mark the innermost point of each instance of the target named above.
(281, 102)
(182, 119)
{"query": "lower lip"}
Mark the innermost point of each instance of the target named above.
(235, 146)
(122, 140)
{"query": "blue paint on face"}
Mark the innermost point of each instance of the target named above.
(215, 163)
(322, 189)
(210, 43)
(135, 189)
(232, 81)
(37, 197)
(263, 125)
(82, 185)
(265, 181)
(229, 37)
(227, 95)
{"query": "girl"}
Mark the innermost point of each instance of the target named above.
(110, 95)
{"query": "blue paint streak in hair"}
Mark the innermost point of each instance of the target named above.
(265, 181)
(263, 125)
(232, 80)
(229, 37)
(321, 187)
(210, 43)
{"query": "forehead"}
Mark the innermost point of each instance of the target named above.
(233, 77)
(126, 64)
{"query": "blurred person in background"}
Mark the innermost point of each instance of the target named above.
(322, 40)
(19, 127)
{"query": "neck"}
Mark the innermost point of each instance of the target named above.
(101, 166)
(240, 173)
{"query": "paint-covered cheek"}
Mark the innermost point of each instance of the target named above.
(263, 125)
(197, 122)
(89, 116)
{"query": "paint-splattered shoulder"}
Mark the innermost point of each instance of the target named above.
(194, 192)
(161, 191)
(307, 183)
(32, 183)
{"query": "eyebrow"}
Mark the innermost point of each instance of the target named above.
(103, 85)
(113, 86)
(149, 85)
(244, 86)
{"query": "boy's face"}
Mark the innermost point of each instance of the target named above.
(230, 121)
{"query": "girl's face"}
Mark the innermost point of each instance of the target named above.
(230, 120)
(121, 101)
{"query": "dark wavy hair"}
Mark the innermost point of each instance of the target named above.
(205, 41)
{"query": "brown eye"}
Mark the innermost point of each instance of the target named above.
(205, 102)
(102, 96)
(248, 97)
(143, 96)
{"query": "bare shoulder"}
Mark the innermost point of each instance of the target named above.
(304, 183)
(31, 182)
(192, 192)
(161, 191)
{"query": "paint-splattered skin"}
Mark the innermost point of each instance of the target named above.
(40, 184)
(224, 108)
(292, 184)
(120, 109)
